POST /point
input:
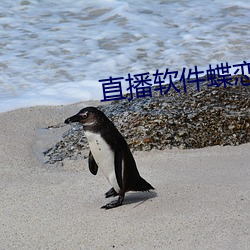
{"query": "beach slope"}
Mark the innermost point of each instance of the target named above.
(201, 201)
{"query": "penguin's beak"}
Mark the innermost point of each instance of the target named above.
(74, 118)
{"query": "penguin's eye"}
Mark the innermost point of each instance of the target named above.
(84, 115)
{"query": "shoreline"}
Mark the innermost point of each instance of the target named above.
(201, 198)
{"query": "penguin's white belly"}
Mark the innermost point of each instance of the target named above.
(104, 157)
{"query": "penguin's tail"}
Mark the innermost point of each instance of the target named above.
(141, 185)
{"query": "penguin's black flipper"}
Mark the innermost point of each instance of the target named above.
(111, 193)
(118, 166)
(93, 167)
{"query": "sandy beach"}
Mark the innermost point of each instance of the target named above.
(201, 198)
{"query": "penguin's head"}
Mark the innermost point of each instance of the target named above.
(88, 117)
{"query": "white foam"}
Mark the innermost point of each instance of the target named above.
(55, 52)
(56, 94)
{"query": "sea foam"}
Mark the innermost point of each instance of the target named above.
(56, 52)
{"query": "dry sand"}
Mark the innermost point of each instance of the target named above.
(201, 201)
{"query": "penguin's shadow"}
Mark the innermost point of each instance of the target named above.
(137, 198)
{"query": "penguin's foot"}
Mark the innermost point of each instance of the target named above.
(111, 193)
(113, 204)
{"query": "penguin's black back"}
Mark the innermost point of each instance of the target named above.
(132, 180)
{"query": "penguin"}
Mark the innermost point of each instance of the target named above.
(110, 152)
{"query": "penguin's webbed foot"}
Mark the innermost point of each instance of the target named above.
(113, 204)
(111, 193)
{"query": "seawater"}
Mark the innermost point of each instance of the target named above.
(54, 52)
